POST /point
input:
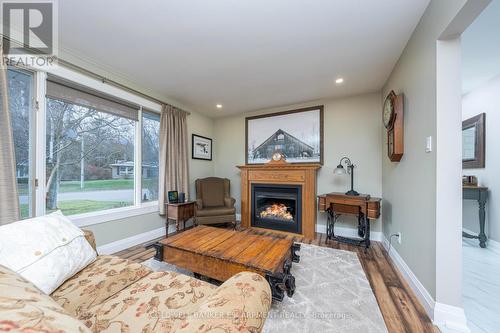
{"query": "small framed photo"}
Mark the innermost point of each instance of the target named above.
(173, 197)
(201, 148)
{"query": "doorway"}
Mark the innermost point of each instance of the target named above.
(480, 164)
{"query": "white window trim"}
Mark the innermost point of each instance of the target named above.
(40, 142)
(103, 216)
(92, 218)
(138, 159)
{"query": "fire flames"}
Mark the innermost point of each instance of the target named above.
(277, 211)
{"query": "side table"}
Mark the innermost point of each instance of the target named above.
(179, 212)
(479, 193)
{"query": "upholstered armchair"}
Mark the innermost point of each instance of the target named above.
(213, 202)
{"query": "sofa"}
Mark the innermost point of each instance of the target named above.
(117, 295)
(214, 204)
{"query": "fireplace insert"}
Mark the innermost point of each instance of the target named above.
(277, 207)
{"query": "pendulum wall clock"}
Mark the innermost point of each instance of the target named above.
(393, 117)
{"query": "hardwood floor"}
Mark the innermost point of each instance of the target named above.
(400, 308)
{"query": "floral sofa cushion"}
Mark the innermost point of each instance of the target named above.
(97, 282)
(157, 303)
(24, 308)
(240, 304)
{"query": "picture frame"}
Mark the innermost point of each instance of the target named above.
(201, 148)
(296, 134)
(473, 142)
(173, 197)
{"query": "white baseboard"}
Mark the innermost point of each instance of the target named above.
(448, 318)
(418, 288)
(125, 243)
(494, 245)
(349, 232)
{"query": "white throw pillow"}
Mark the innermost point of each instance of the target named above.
(45, 250)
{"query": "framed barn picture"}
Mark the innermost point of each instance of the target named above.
(201, 148)
(297, 134)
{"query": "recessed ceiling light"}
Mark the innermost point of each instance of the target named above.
(219, 106)
(339, 80)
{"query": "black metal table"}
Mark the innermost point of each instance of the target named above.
(480, 194)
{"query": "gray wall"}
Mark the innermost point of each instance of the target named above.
(409, 187)
(112, 231)
(352, 127)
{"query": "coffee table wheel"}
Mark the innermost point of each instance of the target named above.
(294, 249)
(361, 231)
(290, 285)
(282, 282)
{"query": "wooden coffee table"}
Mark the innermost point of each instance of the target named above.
(220, 253)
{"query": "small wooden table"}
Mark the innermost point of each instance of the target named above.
(363, 206)
(221, 253)
(179, 212)
(479, 193)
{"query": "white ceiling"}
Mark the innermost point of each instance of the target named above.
(481, 48)
(244, 54)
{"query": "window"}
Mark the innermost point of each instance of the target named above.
(85, 149)
(150, 155)
(21, 91)
(91, 156)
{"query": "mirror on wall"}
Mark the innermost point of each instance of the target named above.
(473, 146)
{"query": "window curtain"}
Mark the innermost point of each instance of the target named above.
(173, 154)
(9, 202)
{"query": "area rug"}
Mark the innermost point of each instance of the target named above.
(332, 295)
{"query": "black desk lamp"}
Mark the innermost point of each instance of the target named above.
(340, 170)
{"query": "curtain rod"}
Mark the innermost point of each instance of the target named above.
(113, 83)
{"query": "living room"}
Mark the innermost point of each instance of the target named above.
(250, 166)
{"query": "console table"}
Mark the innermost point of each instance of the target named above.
(479, 193)
(363, 206)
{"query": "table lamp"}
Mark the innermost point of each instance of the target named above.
(340, 170)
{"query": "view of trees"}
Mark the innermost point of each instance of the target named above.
(86, 153)
(20, 105)
(79, 140)
(150, 155)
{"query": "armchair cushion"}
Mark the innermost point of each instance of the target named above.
(216, 211)
(212, 192)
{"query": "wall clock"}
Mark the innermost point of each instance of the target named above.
(388, 113)
(277, 156)
(393, 116)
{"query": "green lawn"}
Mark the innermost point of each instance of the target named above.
(81, 206)
(24, 211)
(22, 189)
(97, 185)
